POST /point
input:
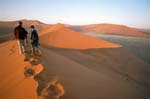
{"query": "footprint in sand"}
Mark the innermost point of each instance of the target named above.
(12, 50)
(29, 72)
(53, 90)
(35, 61)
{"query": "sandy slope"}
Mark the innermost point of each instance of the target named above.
(13, 83)
(130, 43)
(80, 74)
(95, 74)
(60, 36)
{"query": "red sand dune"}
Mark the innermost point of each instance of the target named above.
(7, 27)
(87, 74)
(111, 29)
(15, 23)
(13, 84)
(95, 74)
(84, 74)
(60, 36)
(43, 29)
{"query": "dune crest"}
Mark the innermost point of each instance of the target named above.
(16, 76)
(63, 37)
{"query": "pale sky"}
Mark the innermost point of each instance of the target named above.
(134, 13)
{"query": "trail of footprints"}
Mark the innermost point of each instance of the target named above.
(51, 89)
(12, 50)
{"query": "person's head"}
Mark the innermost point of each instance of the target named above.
(32, 26)
(20, 23)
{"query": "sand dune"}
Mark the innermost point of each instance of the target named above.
(147, 31)
(108, 73)
(43, 29)
(13, 83)
(103, 70)
(7, 28)
(60, 36)
(110, 29)
(95, 74)
(14, 23)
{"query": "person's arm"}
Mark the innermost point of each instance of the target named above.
(31, 36)
(26, 34)
(37, 34)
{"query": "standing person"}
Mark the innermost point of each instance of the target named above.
(21, 35)
(34, 40)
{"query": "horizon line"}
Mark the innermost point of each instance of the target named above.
(73, 24)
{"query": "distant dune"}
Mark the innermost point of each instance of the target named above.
(7, 27)
(60, 36)
(147, 31)
(110, 29)
(12, 24)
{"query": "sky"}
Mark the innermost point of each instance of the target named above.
(134, 13)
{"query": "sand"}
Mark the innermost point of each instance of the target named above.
(112, 29)
(95, 74)
(13, 83)
(72, 66)
(63, 37)
(74, 74)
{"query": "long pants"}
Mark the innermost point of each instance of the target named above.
(35, 45)
(22, 45)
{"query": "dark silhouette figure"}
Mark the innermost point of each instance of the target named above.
(21, 36)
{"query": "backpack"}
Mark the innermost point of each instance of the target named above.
(34, 35)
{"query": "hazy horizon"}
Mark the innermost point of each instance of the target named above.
(133, 13)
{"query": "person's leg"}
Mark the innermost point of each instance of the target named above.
(21, 44)
(36, 44)
(28, 50)
(38, 52)
(35, 47)
(25, 44)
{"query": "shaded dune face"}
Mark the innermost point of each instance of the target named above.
(94, 73)
(60, 36)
